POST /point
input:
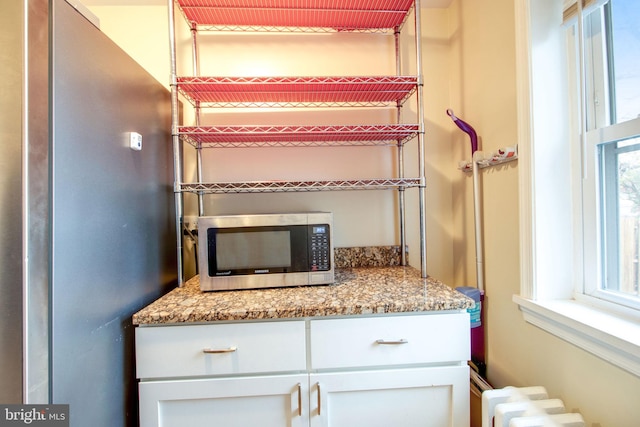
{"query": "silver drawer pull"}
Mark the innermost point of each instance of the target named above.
(396, 342)
(219, 350)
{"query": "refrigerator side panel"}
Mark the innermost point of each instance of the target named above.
(11, 203)
(113, 218)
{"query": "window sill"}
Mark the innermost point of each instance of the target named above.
(610, 337)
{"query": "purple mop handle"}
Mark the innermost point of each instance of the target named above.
(465, 127)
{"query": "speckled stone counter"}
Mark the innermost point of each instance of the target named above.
(366, 290)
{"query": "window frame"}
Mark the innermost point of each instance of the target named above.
(601, 248)
(596, 219)
(552, 240)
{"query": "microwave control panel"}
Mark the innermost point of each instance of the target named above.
(319, 247)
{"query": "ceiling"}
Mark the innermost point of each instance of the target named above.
(433, 4)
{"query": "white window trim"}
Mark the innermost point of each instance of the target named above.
(547, 281)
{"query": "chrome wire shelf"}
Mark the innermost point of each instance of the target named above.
(299, 186)
(305, 30)
(307, 91)
(301, 15)
(298, 136)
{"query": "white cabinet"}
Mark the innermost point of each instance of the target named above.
(220, 349)
(266, 401)
(387, 341)
(408, 389)
(413, 397)
(405, 370)
(199, 375)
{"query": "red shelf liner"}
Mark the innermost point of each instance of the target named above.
(240, 136)
(312, 90)
(338, 14)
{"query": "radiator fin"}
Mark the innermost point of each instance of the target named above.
(525, 407)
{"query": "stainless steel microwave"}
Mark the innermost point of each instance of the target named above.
(265, 250)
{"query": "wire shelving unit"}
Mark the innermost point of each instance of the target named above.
(309, 16)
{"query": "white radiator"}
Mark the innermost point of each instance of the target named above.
(525, 407)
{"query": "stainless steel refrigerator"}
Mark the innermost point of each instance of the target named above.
(87, 233)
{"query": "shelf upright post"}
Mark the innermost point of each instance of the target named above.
(177, 148)
(196, 73)
(421, 151)
(401, 189)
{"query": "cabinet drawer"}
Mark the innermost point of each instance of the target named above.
(389, 341)
(239, 348)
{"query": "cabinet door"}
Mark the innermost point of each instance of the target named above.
(420, 397)
(269, 401)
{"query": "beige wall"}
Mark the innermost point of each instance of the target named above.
(469, 66)
(141, 31)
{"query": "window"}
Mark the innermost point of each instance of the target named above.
(578, 189)
(610, 172)
(619, 164)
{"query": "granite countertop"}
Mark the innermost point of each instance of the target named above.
(363, 290)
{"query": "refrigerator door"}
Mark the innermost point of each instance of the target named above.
(24, 202)
(112, 217)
